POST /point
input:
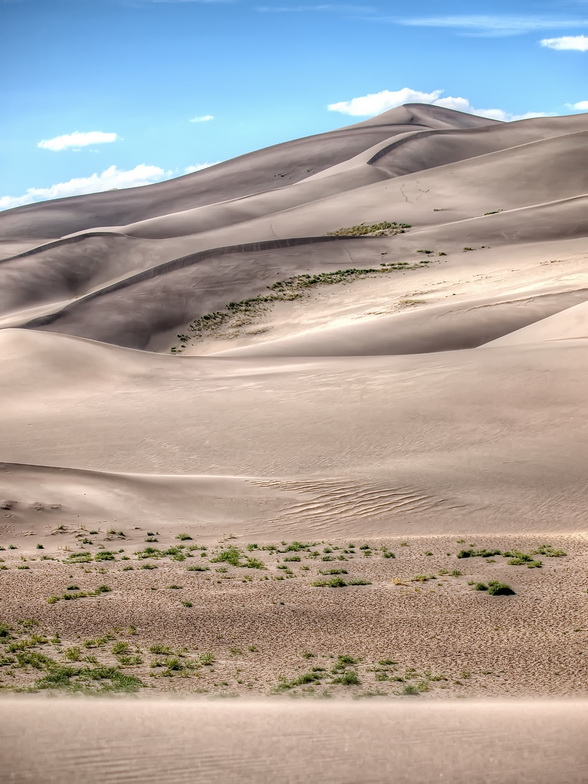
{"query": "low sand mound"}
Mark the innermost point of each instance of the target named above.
(569, 324)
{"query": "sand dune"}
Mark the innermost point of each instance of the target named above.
(222, 397)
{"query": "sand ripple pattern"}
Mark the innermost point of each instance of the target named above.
(334, 503)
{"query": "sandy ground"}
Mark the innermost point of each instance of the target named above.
(405, 394)
(295, 618)
(179, 742)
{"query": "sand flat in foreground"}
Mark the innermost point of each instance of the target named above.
(101, 741)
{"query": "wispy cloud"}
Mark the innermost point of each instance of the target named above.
(76, 140)
(375, 103)
(202, 118)
(570, 43)
(110, 178)
(334, 7)
(581, 106)
(492, 25)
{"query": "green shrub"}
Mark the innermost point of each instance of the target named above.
(499, 589)
(348, 678)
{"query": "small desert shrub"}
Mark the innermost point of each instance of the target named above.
(231, 556)
(499, 589)
(549, 552)
(105, 555)
(348, 678)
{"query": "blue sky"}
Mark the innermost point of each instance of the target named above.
(114, 93)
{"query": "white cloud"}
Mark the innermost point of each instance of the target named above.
(570, 43)
(199, 166)
(581, 106)
(202, 118)
(77, 139)
(491, 25)
(376, 103)
(110, 178)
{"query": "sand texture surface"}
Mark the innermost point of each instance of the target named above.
(177, 742)
(310, 422)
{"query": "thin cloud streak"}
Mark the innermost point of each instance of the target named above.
(489, 25)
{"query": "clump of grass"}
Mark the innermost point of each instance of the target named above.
(184, 537)
(296, 547)
(382, 229)
(338, 582)
(88, 679)
(105, 555)
(343, 661)
(83, 557)
(348, 678)
(499, 589)
(160, 650)
(79, 594)
(494, 588)
(550, 552)
(254, 563)
(231, 556)
(478, 553)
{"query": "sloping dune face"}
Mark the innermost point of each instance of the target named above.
(341, 362)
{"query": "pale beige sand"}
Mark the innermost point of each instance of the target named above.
(53, 742)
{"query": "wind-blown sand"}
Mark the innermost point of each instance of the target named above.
(420, 393)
